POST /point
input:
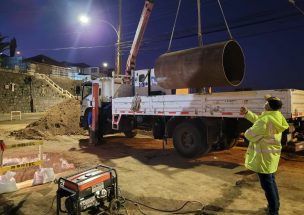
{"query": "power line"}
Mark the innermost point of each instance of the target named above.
(184, 33)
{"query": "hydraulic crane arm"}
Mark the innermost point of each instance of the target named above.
(139, 36)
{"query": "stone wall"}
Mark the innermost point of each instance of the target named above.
(21, 92)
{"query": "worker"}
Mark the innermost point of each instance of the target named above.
(264, 150)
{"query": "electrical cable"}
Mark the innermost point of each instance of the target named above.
(140, 210)
(146, 43)
(163, 210)
(51, 206)
(122, 200)
(164, 37)
(126, 209)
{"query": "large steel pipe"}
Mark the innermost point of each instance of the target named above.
(215, 65)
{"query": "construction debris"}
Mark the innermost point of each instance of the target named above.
(61, 119)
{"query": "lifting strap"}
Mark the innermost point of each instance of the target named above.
(199, 24)
(230, 35)
(169, 47)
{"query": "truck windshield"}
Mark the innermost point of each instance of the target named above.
(86, 90)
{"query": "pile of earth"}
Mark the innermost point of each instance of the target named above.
(61, 119)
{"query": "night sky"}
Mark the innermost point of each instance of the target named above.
(270, 32)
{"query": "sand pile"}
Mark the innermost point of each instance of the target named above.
(61, 119)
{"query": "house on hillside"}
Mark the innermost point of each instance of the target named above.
(46, 65)
(96, 72)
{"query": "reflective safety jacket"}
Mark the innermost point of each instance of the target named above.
(264, 150)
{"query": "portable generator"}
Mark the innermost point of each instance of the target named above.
(94, 188)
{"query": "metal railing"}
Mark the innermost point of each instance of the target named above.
(55, 86)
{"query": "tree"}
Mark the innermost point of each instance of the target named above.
(12, 47)
(3, 45)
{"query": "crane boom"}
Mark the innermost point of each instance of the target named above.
(139, 36)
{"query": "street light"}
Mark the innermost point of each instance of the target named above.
(85, 20)
(105, 64)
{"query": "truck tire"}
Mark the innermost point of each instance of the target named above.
(228, 142)
(130, 134)
(189, 139)
(230, 134)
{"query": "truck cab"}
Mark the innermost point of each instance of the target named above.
(109, 87)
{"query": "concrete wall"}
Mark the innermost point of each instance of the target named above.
(15, 93)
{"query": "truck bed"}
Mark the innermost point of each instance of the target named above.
(223, 104)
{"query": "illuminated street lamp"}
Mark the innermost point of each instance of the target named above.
(105, 64)
(85, 20)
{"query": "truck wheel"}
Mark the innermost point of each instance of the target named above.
(229, 134)
(228, 142)
(130, 134)
(189, 139)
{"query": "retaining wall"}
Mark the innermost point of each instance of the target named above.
(17, 92)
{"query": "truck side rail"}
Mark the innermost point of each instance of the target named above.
(224, 104)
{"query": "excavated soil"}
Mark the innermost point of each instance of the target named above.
(61, 119)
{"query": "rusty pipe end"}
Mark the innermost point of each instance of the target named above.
(233, 63)
(214, 65)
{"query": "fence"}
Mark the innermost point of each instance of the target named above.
(4, 147)
(15, 114)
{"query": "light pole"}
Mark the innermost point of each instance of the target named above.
(84, 19)
(293, 2)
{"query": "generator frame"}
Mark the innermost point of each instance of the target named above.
(66, 192)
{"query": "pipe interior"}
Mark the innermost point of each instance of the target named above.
(233, 63)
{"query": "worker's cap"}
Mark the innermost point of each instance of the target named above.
(275, 103)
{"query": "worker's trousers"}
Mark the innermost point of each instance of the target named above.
(269, 186)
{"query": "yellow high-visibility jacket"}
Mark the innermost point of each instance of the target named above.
(264, 150)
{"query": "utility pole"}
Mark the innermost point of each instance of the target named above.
(118, 54)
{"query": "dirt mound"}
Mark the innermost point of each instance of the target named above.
(61, 119)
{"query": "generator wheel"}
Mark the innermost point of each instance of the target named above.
(188, 140)
(114, 206)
